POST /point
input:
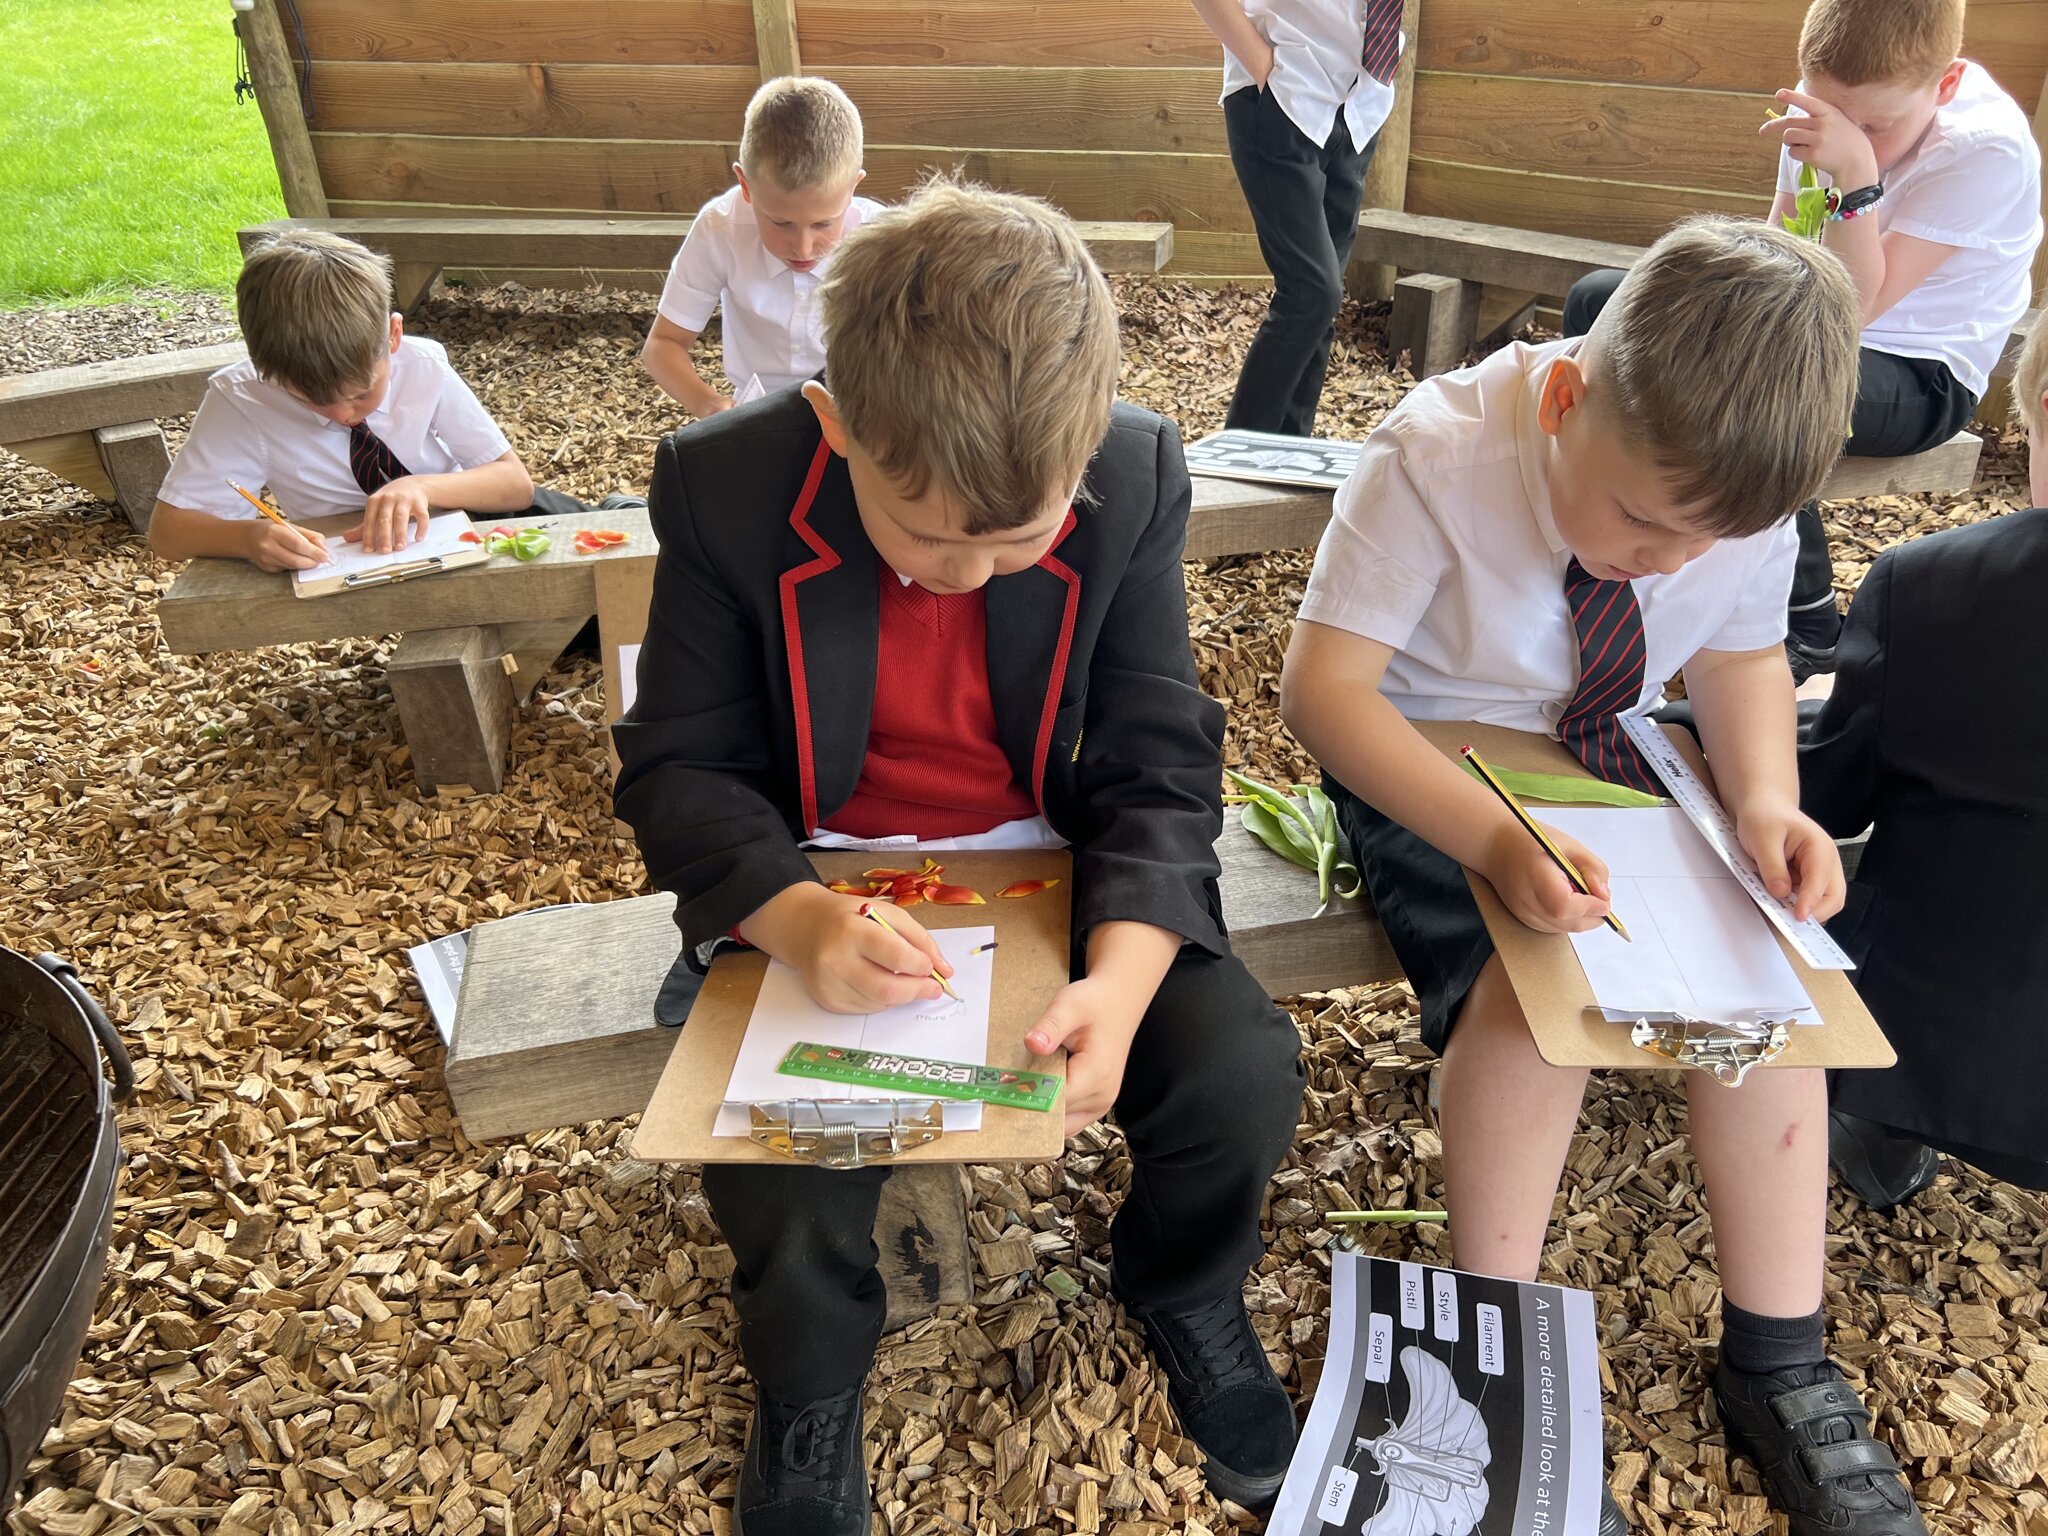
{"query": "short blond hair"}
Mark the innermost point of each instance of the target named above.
(801, 132)
(2030, 382)
(315, 310)
(971, 341)
(1862, 42)
(1729, 356)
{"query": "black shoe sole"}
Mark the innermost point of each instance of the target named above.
(1253, 1493)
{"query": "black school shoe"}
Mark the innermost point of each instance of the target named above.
(1809, 1435)
(1612, 1521)
(1229, 1401)
(1884, 1170)
(803, 1475)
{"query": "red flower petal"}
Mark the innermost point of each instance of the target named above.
(1026, 888)
(954, 896)
(472, 537)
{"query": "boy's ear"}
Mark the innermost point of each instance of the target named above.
(397, 329)
(1564, 391)
(827, 411)
(1951, 80)
(746, 192)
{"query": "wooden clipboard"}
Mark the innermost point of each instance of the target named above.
(1034, 938)
(1551, 984)
(398, 568)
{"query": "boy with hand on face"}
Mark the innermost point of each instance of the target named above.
(1934, 182)
(758, 250)
(939, 594)
(1539, 542)
(336, 411)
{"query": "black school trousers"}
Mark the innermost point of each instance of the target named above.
(1304, 201)
(1903, 405)
(1211, 1095)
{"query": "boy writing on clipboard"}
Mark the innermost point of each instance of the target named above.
(940, 593)
(1539, 542)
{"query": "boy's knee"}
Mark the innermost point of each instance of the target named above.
(1218, 1014)
(1313, 295)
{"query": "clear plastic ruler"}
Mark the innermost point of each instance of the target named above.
(1809, 938)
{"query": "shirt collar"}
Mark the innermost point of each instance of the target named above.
(1533, 445)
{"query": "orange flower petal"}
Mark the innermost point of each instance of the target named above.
(472, 537)
(848, 888)
(909, 898)
(1026, 888)
(954, 896)
(885, 874)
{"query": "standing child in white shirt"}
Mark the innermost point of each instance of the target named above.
(1937, 189)
(1306, 85)
(757, 250)
(336, 411)
(1541, 541)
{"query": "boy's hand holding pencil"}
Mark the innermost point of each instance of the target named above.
(1552, 883)
(277, 543)
(856, 955)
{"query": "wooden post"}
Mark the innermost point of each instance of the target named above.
(454, 700)
(277, 94)
(1435, 321)
(775, 38)
(136, 459)
(1386, 178)
(921, 1241)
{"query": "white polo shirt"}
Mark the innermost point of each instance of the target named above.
(258, 434)
(1318, 68)
(1443, 546)
(773, 327)
(1973, 181)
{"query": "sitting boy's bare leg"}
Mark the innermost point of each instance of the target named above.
(1763, 1150)
(1507, 1123)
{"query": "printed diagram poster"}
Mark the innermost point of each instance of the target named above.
(1450, 1405)
(1275, 459)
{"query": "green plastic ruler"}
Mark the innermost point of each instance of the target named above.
(922, 1074)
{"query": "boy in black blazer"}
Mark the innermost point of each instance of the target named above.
(942, 596)
(1934, 736)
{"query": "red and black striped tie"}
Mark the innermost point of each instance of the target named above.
(1382, 39)
(370, 461)
(1609, 622)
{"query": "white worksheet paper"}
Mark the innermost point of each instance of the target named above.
(443, 537)
(785, 1013)
(1700, 946)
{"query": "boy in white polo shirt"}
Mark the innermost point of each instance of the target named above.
(1541, 541)
(1937, 192)
(1306, 85)
(336, 410)
(757, 250)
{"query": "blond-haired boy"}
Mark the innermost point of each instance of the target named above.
(337, 411)
(941, 597)
(759, 249)
(1541, 541)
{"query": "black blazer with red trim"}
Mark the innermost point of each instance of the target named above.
(757, 675)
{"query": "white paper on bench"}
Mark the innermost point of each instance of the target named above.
(784, 1013)
(1700, 945)
(443, 537)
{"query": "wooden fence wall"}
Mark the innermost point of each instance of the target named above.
(1598, 117)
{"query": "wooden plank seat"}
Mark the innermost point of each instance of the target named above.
(474, 641)
(1436, 310)
(420, 248)
(95, 424)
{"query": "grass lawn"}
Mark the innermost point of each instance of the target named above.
(124, 161)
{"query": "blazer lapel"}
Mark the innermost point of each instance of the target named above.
(1030, 638)
(831, 628)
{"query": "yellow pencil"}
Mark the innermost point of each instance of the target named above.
(261, 505)
(1556, 854)
(867, 910)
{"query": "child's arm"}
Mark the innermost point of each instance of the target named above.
(666, 352)
(1330, 699)
(1743, 701)
(186, 533)
(398, 512)
(1097, 1017)
(1839, 765)
(1235, 31)
(1885, 268)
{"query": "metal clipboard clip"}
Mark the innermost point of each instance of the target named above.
(1724, 1049)
(845, 1133)
(384, 578)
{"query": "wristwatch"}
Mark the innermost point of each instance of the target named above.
(1846, 205)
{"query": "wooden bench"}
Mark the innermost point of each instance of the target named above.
(1436, 319)
(420, 248)
(95, 425)
(473, 644)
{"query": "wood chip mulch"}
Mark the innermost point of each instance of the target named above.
(326, 1310)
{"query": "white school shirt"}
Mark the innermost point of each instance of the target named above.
(1443, 546)
(259, 434)
(774, 327)
(1973, 181)
(1318, 68)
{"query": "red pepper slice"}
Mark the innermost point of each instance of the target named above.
(1026, 888)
